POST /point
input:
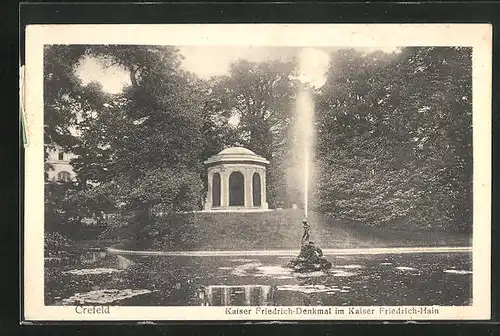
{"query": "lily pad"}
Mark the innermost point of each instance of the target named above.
(458, 271)
(350, 266)
(404, 268)
(273, 270)
(104, 296)
(88, 271)
(342, 273)
(242, 270)
(308, 289)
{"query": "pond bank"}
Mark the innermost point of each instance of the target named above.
(357, 251)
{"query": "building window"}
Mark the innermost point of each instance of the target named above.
(236, 189)
(216, 190)
(256, 189)
(64, 176)
(61, 156)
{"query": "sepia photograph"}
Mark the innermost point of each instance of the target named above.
(270, 180)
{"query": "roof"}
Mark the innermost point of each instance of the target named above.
(236, 154)
(236, 150)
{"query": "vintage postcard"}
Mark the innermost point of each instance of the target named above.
(257, 172)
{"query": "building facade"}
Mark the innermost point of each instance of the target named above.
(236, 181)
(61, 169)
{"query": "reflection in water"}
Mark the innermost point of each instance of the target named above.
(244, 295)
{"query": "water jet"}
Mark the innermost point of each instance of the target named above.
(310, 256)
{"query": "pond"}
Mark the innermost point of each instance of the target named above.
(97, 277)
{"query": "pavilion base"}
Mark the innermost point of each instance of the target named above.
(236, 209)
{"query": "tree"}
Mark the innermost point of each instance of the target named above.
(139, 155)
(62, 92)
(66, 102)
(261, 95)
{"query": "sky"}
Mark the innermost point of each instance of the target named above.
(213, 61)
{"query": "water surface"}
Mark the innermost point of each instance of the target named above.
(96, 277)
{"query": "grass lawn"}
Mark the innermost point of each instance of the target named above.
(277, 229)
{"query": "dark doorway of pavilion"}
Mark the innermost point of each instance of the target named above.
(216, 190)
(236, 189)
(256, 189)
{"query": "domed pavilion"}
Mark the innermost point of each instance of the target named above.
(236, 181)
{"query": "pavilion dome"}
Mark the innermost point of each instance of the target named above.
(235, 154)
(237, 151)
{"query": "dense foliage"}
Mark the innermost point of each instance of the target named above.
(395, 138)
(57, 246)
(138, 151)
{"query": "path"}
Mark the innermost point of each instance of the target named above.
(355, 251)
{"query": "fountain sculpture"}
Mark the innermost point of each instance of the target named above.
(311, 256)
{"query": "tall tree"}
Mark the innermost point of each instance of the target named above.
(62, 92)
(66, 102)
(151, 134)
(261, 96)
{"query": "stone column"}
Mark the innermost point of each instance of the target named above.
(248, 188)
(263, 193)
(209, 203)
(224, 188)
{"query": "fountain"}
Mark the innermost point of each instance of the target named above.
(311, 256)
